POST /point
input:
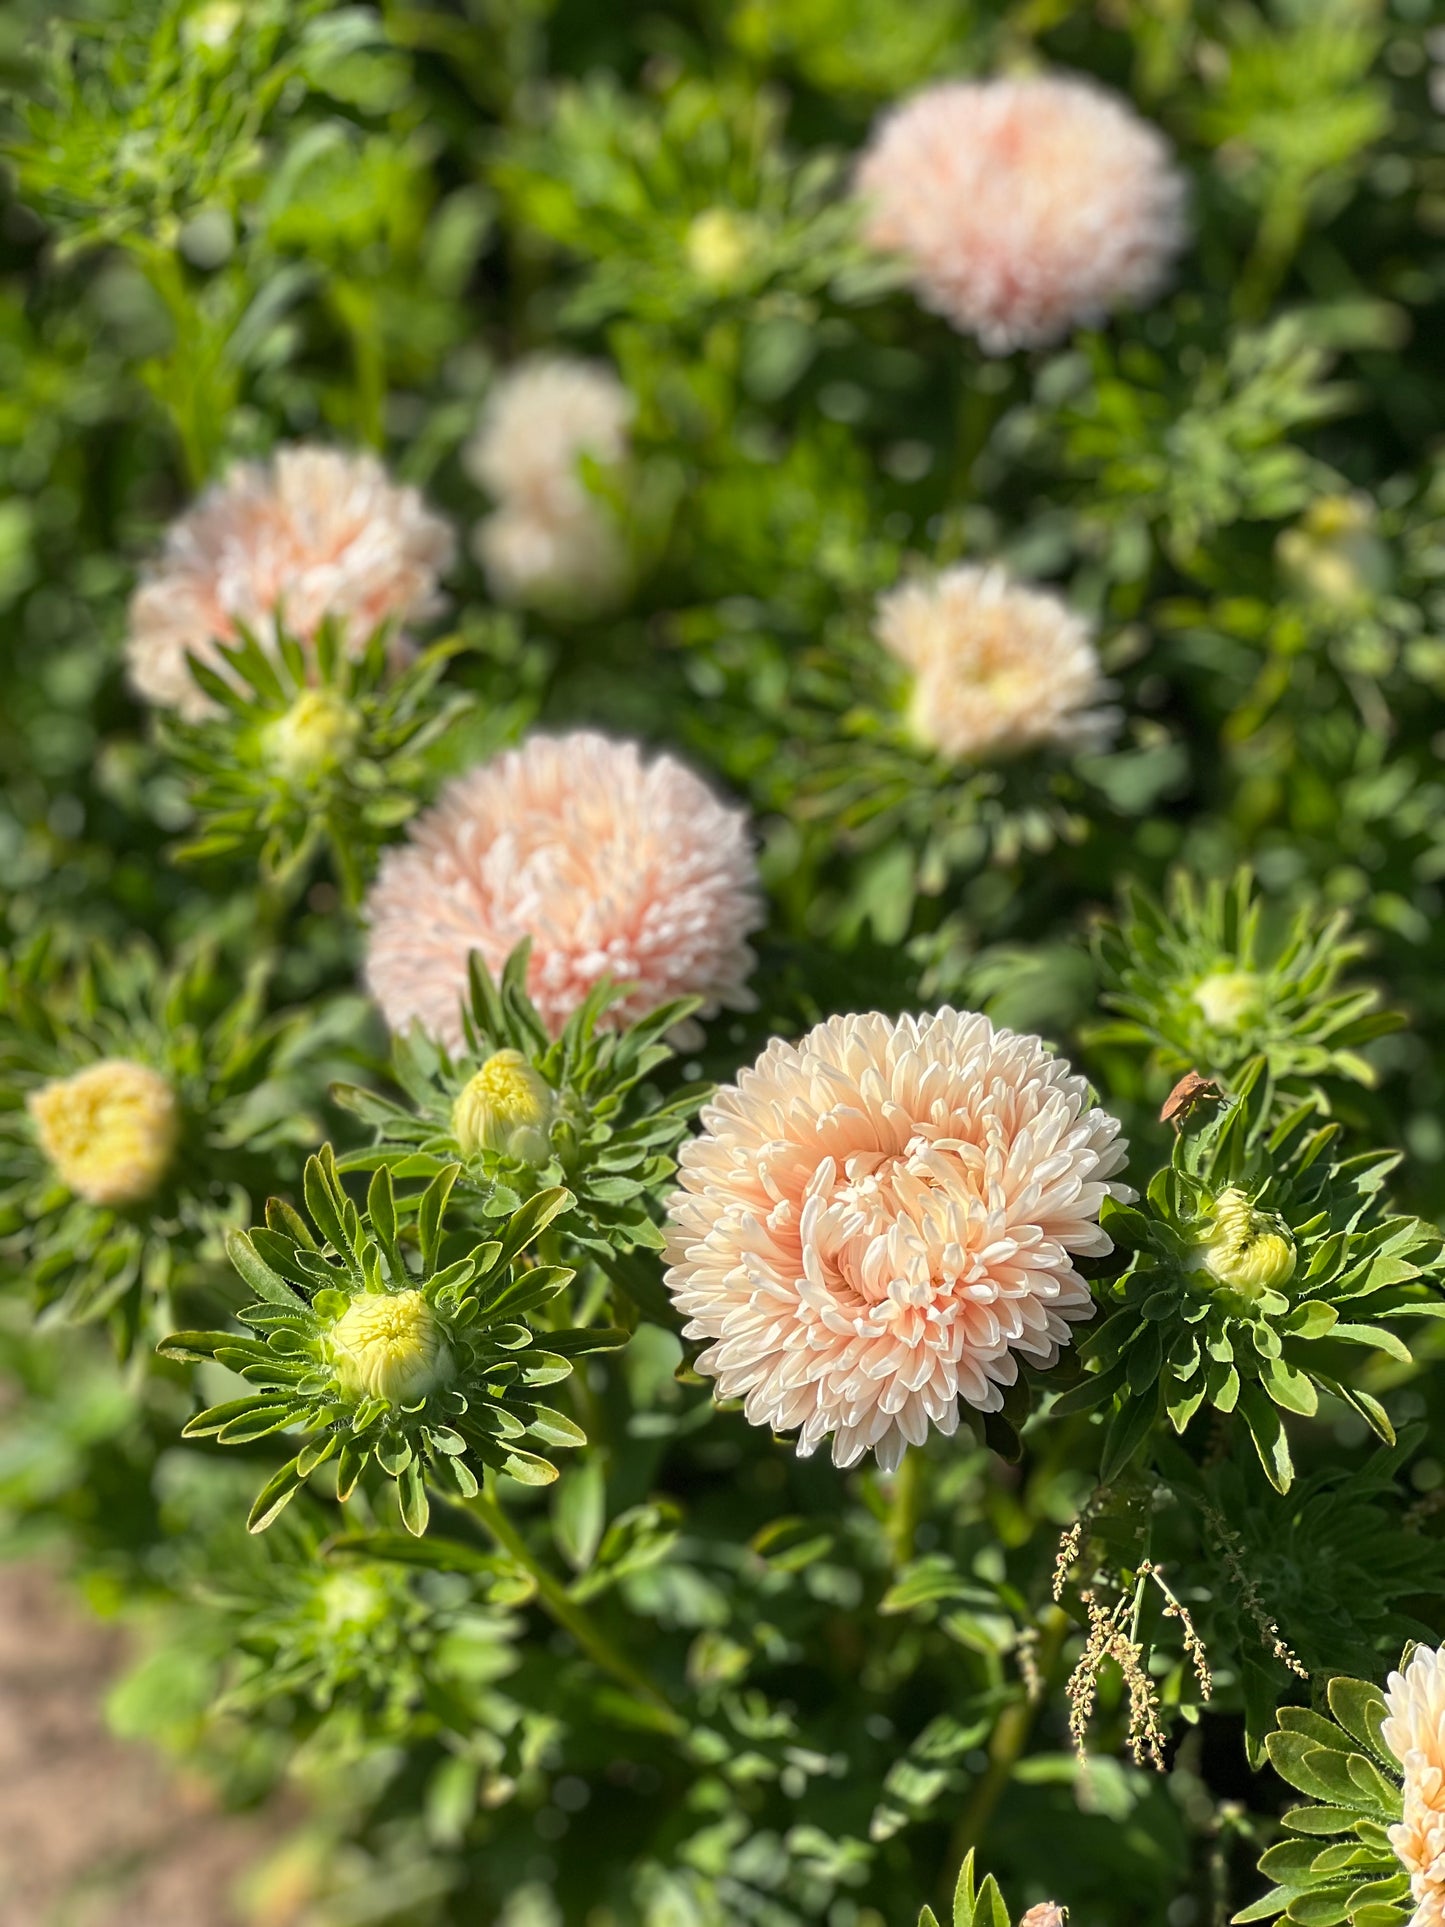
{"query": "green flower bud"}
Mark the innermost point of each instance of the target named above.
(1229, 998)
(720, 244)
(390, 1344)
(1251, 1251)
(318, 731)
(506, 1107)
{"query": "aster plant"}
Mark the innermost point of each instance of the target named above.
(1209, 980)
(144, 1104)
(308, 749)
(1260, 1259)
(386, 1339)
(520, 1111)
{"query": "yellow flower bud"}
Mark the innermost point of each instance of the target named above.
(318, 732)
(1249, 1250)
(720, 243)
(110, 1131)
(390, 1344)
(1229, 998)
(1334, 554)
(508, 1107)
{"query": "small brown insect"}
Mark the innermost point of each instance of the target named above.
(1188, 1095)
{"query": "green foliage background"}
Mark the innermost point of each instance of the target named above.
(230, 224)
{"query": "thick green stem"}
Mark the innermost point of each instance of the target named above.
(555, 1600)
(1010, 1737)
(905, 1506)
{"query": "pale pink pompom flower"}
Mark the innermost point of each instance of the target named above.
(997, 668)
(551, 540)
(1047, 1913)
(1023, 207)
(877, 1223)
(314, 532)
(1415, 1734)
(614, 865)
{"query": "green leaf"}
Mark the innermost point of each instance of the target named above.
(1129, 1428)
(1360, 1709)
(257, 1273)
(411, 1491)
(1266, 1428)
(275, 1495)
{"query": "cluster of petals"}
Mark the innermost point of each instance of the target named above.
(877, 1223)
(551, 541)
(996, 667)
(613, 865)
(1415, 1734)
(1023, 207)
(314, 532)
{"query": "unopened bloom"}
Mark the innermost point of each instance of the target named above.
(721, 243)
(877, 1223)
(110, 1131)
(389, 1344)
(1335, 555)
(1247, 1249)
(316, 734)
(1229, 998)
(1023, 207)
(997, 668)
(1415, 1733)
(315, 532)
(508, 1107)
(551, 540)
(613, 865)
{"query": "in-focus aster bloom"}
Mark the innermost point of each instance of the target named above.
(551, 540)
(1415, 1734)
(1023, 207)
(878, 1222)
(997, 668)
(110, 1131)
(613, 865)
(314, 532)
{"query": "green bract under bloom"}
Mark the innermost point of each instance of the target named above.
(388, 1340)
(1200, 1316)
(1205, 982)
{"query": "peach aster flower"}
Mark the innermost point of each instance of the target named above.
(1048, 1913)
(551, 540)
(997, 668)
(1023, 207)
(613, 866)
(1415, 1734)
(878, 1222)
(314, 532)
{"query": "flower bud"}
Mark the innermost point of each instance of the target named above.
(1229, 998)
(1333, 555)
(506, 1107)
(720, 244)
(389, 1344)
(1251, 1251)
(318, 731)
(110, 1131)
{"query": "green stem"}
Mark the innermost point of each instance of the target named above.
(1010, 1736)
(558, 1603)
(905, 1506)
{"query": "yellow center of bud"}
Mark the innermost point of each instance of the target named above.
(720, 244)
(1334, 553)
(389, 1344)
(1251, 1251)
(1228, 998)
(318, 731)
(110, 1131)
(508, 1107)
